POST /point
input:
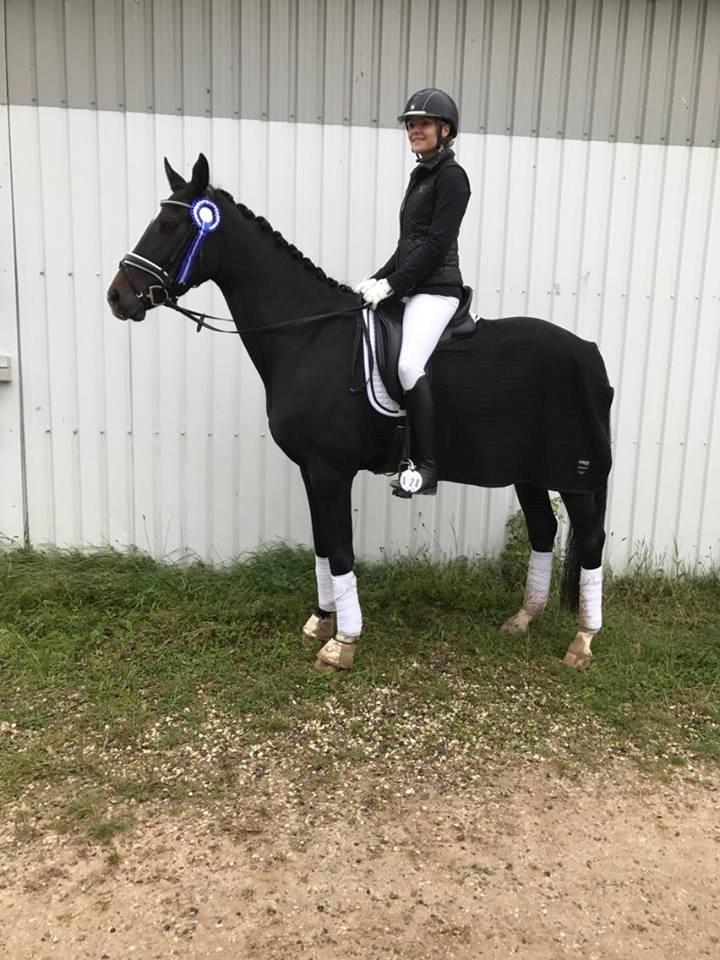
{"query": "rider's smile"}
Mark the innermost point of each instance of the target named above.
(423, 135)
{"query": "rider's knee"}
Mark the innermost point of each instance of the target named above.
(408, 374)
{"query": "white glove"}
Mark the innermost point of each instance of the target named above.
(363, 285)
(379, 290)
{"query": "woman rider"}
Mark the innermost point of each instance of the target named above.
(424, 270)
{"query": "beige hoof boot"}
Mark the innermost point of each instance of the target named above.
(337, 654)
(319, 628)
(518, 624)
(578, 655)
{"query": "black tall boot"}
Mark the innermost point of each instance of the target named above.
(421, 421)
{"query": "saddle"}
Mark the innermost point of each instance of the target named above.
(388, 337)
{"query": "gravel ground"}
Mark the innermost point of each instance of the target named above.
(485, 858)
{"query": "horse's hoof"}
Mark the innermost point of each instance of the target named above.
(517, 625)
(319, 628)
(579, 655)
(578, 661)
(337, 654)
(324, 667)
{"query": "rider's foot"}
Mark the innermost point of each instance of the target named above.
(418, 478)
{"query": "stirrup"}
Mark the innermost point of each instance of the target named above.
(414, 479)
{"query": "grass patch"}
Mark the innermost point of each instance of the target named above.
(126, 680)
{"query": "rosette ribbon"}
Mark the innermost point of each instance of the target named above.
(206, 217)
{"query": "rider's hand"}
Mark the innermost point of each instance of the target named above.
(379, 290)
(363, 285)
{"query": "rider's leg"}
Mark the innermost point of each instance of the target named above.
(424, 320)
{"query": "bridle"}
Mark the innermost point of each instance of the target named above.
(172, 281)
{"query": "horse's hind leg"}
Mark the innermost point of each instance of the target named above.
(542, 527)
(586, 513)
(330, 509)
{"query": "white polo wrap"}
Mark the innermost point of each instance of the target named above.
(537, 585)
(325, 589)
(347, 605)
(590, 610)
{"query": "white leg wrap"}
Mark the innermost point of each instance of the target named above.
(349, 618)
(590, 612)
(537, 585)
(325, 591)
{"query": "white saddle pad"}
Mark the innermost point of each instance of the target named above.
(378, 396)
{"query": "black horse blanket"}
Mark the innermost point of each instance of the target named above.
(522, 401)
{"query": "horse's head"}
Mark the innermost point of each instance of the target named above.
(171, 255)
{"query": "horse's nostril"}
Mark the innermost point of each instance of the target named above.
(113, 296)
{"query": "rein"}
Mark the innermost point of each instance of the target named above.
(200, 318)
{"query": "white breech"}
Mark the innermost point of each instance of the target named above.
(426, 316)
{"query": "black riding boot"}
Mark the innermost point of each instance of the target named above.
(421, 421)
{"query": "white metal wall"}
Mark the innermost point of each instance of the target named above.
(156, 436)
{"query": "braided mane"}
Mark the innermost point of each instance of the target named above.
(284, 244)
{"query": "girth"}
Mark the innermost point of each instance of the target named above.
(388, 337)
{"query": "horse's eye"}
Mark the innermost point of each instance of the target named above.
(167, 226)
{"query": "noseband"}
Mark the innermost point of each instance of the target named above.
(204, 217)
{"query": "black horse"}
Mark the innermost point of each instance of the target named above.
(521, 401)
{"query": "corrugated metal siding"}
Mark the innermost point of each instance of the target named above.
(628, 70)
(155, 435)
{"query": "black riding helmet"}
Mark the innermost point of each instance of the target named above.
(435, 103)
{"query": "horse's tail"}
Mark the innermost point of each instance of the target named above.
(570, 583)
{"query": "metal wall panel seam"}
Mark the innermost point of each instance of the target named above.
(588, 123)
(693, 379)
(715, 406)
(46, 446)
(642, 440)
(16, 288)
(691, 107)
(603, 302)
(662, 463)
(622, 414)
(581, 250)
(670, 74)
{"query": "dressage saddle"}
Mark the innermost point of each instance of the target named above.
(388, 337)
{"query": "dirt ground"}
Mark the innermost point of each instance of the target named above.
(521, 862)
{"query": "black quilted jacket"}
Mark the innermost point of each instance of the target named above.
(426, 257)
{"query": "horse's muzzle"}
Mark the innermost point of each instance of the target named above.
(123, 301)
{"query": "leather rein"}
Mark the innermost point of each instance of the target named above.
(168, 288)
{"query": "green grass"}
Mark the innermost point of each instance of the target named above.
(119, 675)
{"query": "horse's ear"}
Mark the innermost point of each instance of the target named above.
(174, 179)
(200, 175)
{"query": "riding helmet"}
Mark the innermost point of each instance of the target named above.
(432, 102)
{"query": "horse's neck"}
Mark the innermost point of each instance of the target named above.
(263, 286)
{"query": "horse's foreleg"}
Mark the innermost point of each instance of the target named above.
(320, 624)
(542, 527)
(330, 508)
(586, 512)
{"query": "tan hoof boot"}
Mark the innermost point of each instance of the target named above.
(518, 624)
(319, 628)
(578, 655)
(337, 654)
